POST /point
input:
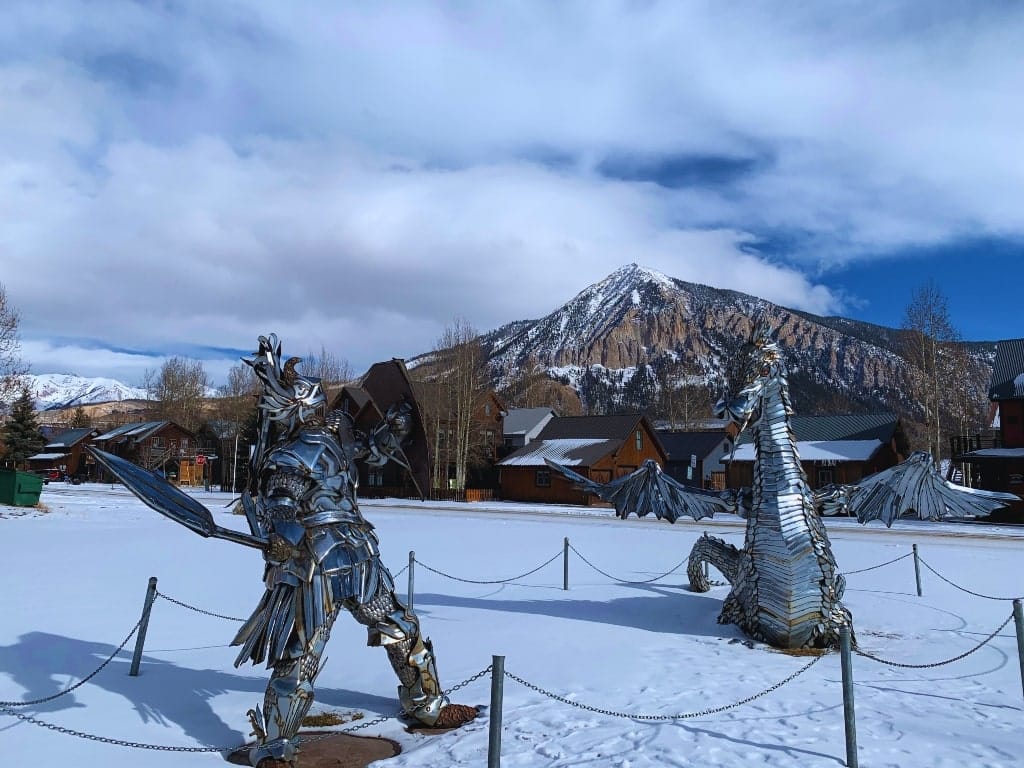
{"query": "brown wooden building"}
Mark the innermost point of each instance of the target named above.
(997, 463)
(601, 448)
(65, 453)
(842, 449)
(155, 445)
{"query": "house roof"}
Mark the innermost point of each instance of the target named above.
(70, 437)
(594, 427)
(572, 452)
(136, 432)
(841, 426)
(680, 446)
(821, 450)
(47, 456)
(520, 421)
(1008, 371)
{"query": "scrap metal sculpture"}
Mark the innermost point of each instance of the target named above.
(786, 588)
(321, 554)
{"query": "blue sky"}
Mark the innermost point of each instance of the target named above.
(179, 177)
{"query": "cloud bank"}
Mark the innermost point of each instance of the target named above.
(181, 177)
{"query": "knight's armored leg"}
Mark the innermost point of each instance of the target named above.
(392, 625)
(288, 698)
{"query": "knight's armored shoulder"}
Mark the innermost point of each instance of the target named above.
(310, 451)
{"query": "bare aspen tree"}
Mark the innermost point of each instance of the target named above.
(11, 367)
(461, 370)
(682, 400)
(928, 336)
(331, 369)
(178, 391)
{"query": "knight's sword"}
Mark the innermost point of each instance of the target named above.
(169, 501)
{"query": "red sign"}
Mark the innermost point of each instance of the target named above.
(200, 459)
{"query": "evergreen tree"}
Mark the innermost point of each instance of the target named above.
(80, 418)
(22, 437)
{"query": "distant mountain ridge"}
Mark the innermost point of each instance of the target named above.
(609, 342)
(54, 391)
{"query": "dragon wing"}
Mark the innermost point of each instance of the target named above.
(648, 489)
(914, 485)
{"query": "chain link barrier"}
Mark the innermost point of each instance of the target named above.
(627, 581)
(880, 565)
(203, 611)
(490, 581)
(963, 655)
(5, 704)
(964, 589)
(682, 715)
(174, 748)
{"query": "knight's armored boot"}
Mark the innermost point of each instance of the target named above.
(392, 625)
(288, 698)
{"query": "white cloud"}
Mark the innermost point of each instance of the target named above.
(196, 174)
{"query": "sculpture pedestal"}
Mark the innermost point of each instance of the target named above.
(340, 750)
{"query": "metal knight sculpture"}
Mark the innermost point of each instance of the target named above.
(321, 554)
(786, 588)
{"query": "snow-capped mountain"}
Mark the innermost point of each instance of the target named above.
(611, 340)
(64, 390)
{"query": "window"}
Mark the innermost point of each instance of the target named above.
(639, 440)
(158, 442)
(824, 477)
(489, 436)
(376, 478)
(543, 478)
(487, 409)
(184, 443)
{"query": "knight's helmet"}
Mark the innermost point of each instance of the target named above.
(288, 398)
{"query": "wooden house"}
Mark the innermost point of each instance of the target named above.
(155, 445)
(601, 448)
(841, 448)
(696, 458)
(65, 453)
(523, 425)
(997, 464)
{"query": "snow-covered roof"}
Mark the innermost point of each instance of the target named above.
(47, 456)
(822, 450)
(572, 452)
(997, 453)
(519, 421)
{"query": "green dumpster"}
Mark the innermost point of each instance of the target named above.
(21, 489)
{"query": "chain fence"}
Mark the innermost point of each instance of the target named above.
(880, 565)
(627, 581)
(203, 611)
(964, 589)
(175, 748)
(963, 655)
(680, 716)
(489, 581)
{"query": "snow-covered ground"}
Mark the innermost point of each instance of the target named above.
(75, 579)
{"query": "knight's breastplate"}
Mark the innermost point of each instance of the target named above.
(311, 480)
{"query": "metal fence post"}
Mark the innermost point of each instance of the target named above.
(917, 570)
(140, 638)
(565, 564)
(412, 577)
(1018, 620)
(497, 692)
(848, 714)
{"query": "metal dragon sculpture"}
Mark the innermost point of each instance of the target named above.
(786, 588)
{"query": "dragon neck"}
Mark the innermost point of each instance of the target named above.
(777, 467)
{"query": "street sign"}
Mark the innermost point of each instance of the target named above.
(200, 459)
